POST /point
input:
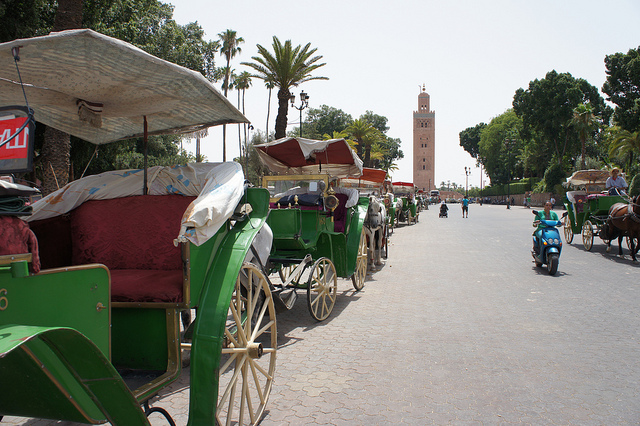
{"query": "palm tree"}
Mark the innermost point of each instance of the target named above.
(287, 67)
(584, 122)
(625, 143)
(365, 135)
(230, 48)
(270, 85)
(242, 83)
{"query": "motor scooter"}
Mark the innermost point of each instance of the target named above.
(549, 246)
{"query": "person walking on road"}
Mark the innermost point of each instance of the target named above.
(465, 207)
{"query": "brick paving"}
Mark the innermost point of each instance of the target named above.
(459, 327)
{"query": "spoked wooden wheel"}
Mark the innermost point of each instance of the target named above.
(360, 274)
(322, 288)
(248, 359)
(568, 232)
(587, 235)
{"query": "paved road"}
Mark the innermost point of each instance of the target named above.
(460, 327)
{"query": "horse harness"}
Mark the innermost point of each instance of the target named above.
(630, 212)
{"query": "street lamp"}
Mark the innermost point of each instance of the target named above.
(467, 172)
(508, 143)
(304, 102)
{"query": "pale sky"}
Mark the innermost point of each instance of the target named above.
(471, 55)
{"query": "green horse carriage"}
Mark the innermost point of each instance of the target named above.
(406, 208)
(91, 293)
(317, 227)
(587, 206)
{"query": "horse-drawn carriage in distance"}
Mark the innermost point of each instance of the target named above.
(592, 212)
(317, 226)
(92, 291)
(406, 208)
(371, 184)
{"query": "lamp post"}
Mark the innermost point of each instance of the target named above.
(508, 143)
(467, 172)
(304, 102)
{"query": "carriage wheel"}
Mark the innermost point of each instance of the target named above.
(360, 274)
(568, 231)
(322, 289)
(587, 235)
(248, 359)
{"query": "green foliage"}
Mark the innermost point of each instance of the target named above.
(500, 160)
(325, 120)
(547, 107)
(554, 176)
(286, 67)
(623, 87)
(634, 186)
(25, 18)
(470, 139)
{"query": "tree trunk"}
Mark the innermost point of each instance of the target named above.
(55, 152)
(268, 111)
(283, 110)
(367, 155)
(583, 152)
(57, 145)
(68, 15)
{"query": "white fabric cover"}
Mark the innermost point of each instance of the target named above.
(352, 193)
(218, 186)
(99, 88)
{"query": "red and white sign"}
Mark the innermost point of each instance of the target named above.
(16, 154)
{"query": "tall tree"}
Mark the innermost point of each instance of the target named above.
(242, 83)
(230, 47)
(325, 120)
(377, 121)
(287, 67)
(626, 144)
(585, 123)
(470, 138)
(269, 84)
(547, 107)
(365, 135)
(623, 87)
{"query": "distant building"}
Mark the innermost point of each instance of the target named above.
(424, 149)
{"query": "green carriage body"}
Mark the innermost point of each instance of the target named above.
(66, 350)
(298, 231)
(587, 206)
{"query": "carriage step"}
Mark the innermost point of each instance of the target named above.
(285, 300)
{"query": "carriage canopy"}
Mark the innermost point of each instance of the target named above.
(299, 156)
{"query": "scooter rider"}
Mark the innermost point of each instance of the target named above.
(546, 214)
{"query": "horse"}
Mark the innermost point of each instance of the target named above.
(375, 223)
(624, 221)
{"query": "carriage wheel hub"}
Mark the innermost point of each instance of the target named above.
(255, 350)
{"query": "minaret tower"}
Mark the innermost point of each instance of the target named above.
(424, 150)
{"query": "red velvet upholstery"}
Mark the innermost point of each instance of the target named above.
(129, 233)
(17, 238)
(340, 213)
(54, 240)
(146, 285)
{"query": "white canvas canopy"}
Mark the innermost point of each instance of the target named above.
(297, 156)
(100, 89)
(585, 177)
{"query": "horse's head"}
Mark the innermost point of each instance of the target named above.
(374, 213)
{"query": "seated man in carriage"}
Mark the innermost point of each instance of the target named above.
(616, 185)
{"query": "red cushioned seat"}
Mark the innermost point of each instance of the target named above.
(133, 237)
(145, 285)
